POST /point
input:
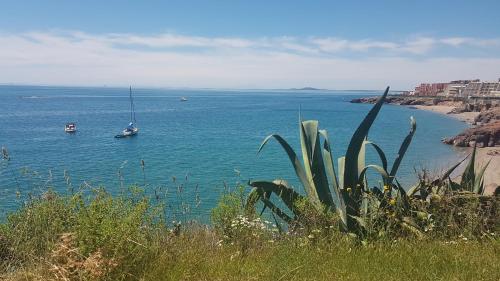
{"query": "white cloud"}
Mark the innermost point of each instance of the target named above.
(332, 45)
(455, 41)
(76, 58)
(419, 45)
(335, 45)
(475, 42)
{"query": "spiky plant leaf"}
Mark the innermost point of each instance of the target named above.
(414, 189)
(330, 168)
(479, 183)
(403, 148)
(469, 175)
(259, 194)
(281, 189)
(454, 186)
(380, 153)
(362, 163)
(299, 169)
(402, 195)
(341, 162)
(313, 161)
(282, 215)
(377, 192)
(380, 170)
(351, 158)
(447, 174)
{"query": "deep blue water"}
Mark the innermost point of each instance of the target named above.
(212, 139)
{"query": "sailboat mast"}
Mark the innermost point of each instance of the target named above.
(131, 104)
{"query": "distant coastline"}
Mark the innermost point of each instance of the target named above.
(306, 89)
(484, 123)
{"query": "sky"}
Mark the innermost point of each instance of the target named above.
(248, 44)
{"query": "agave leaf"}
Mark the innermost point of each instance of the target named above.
(328, 155)
(479, 183)
(330, 168)
(362, 156)
(281, 189)
(341, 162)
(365, 204)
(380, 153)
(403, 148)
(377, 193)
(447, 174)
(259, 194)
(454, 186)
(282, 215)
(299, 169)
(377, 168)
(403, 196)
(469, 175)
(309, 138)
(351, 159)
(362, 164)
(313, 161)
(414, 189)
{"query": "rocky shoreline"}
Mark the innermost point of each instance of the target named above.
(484, 131)
(485, 118)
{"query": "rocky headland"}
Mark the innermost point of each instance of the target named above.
(484, 131)
(484, 117)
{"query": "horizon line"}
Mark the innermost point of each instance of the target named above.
(191, 88)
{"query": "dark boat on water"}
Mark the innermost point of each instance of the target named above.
(70, 128)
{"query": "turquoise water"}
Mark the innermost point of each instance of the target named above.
(205, 143)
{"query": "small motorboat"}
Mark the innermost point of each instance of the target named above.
(184, 99)
(70, 128)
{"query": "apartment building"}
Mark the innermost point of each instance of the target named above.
(430, 89)
(481, 89)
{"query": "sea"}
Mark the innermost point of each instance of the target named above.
(192, 151)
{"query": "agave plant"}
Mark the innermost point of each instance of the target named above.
(325, 188)
(471, 180)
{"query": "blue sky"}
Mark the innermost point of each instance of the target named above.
(248, 44)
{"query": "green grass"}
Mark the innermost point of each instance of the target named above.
(196, 258)
(125, 237)
(287, 261)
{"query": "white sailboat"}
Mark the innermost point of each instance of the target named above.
(131, 129)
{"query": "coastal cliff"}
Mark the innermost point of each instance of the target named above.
(484, 133)
(484, 130)
(484, 117)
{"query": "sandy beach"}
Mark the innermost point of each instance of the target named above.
(492, 173)
(484, 154)
(445, 109)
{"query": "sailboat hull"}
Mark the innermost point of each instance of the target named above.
(127, 133)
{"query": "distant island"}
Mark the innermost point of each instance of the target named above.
(306, 89)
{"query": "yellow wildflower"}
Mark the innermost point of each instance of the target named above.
(392, 202)
(386, 188)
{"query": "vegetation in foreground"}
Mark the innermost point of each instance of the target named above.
(125, 237)
(340, 227)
